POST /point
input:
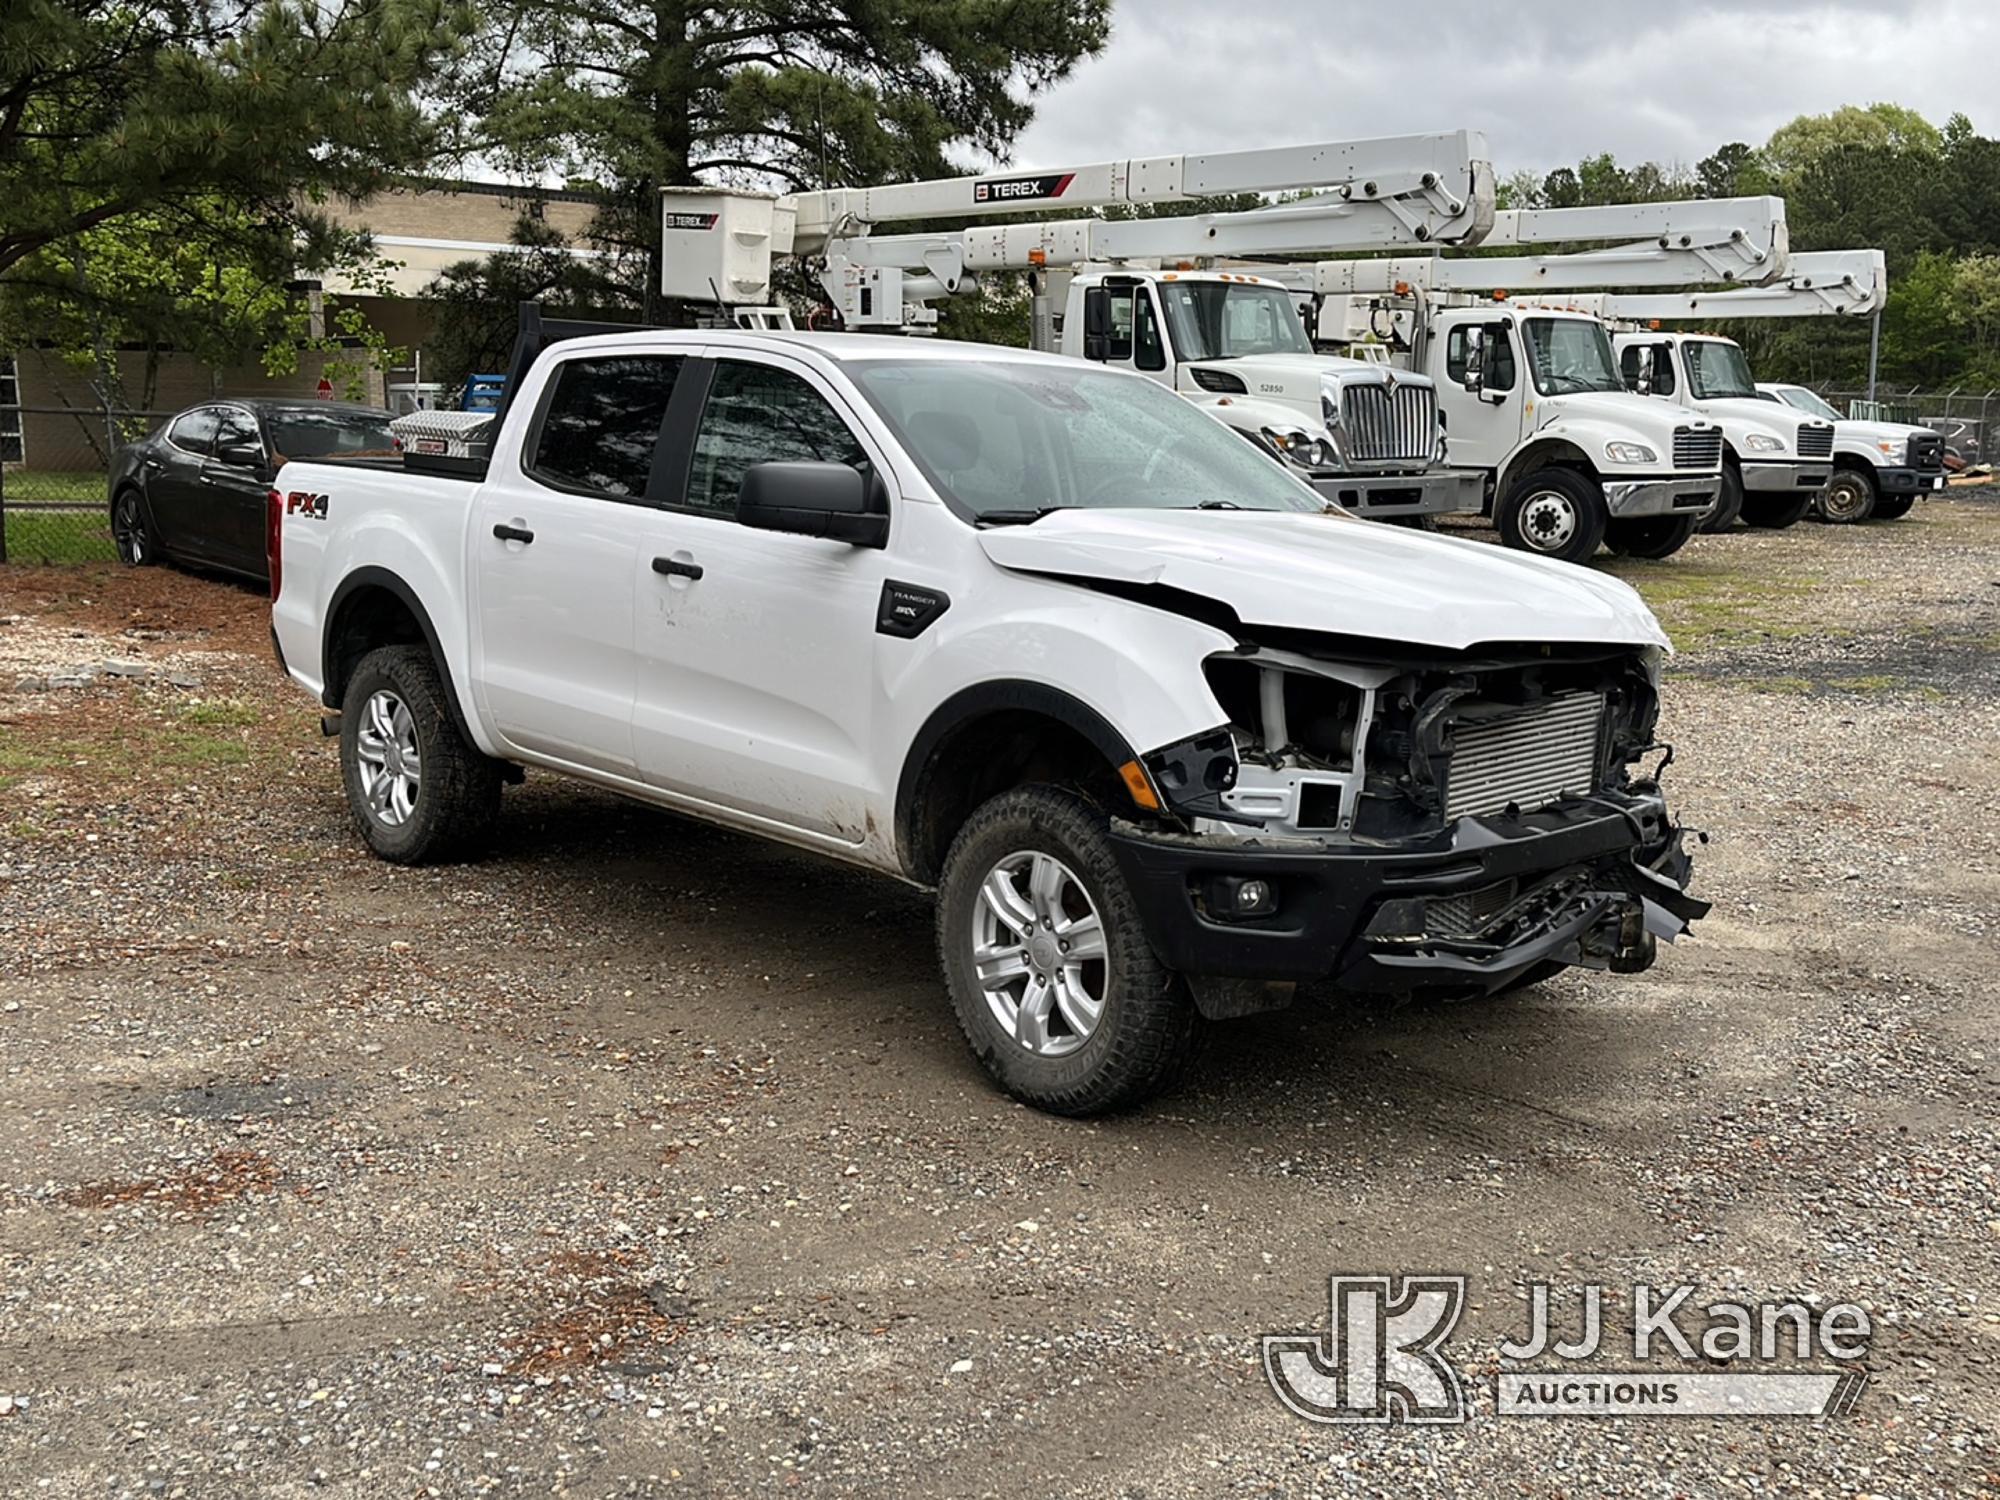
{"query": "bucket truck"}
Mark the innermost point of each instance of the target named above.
(1875, 468)
(1570, 457)
(1134, 291)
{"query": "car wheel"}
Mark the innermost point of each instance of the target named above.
(1776, 512)
(129, 531)
(1649, 536)
(1728, 505)
(418, 791)
(1054, 982)
(1848, 497)
(1554, 513)
(1892, 507)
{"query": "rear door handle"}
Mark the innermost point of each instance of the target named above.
(674, 568)
(508, 533)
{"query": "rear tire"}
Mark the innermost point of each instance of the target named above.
(1728, 504)
(1892, 507)
(419, 792)
(1849, 498)
(1554, 512)
(1776, 512)
(1649, 536)
(1106, 1030)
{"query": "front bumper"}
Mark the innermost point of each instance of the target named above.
(1909, 481)
(1661, 494)
(1589, 882)
(1435, 492)
(1785, 476)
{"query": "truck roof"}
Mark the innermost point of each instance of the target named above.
(842, 348)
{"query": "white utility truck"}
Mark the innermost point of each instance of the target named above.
(1778, 463)
(1880, 469)
(1168, 735)
(1134, 292)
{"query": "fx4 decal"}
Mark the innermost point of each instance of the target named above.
(304, 503)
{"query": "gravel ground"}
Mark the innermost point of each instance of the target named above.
(640, 1156)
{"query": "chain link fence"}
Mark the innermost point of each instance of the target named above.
(55, 468)
(1962, 414)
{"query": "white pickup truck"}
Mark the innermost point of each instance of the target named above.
(1879, 468)
(1167, 734)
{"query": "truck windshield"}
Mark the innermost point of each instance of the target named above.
(1569, 355)
(1009, 440)
(1806, 401)
(1229, 319)
(1717, 369)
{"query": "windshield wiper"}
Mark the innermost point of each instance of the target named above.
(1216, 505)
(1024, 516)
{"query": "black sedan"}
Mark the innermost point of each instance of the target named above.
(194, 489)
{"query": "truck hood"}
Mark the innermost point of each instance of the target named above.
(1868, 434)
(1335, 574)
(1628, 408)
(1763, 416)
(1296, 378)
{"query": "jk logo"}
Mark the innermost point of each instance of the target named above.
(1378, 1360)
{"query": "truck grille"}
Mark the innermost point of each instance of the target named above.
(1697, 448)
(1525, 758)
(1816, 440)
(1926, 451)
(1384, 425)
(1468, 914)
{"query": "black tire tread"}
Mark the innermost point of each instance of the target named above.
(1154, 1029)
(1775, 512)
(1584, 490)
(1867, 479)
(1649, 536)
(1728, 504)
(458, 798)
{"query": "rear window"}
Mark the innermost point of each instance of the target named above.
(602, 420)
(329, 434)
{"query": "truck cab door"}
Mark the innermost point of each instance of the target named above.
(1484, 425)
(1123, 328)
(757, 685)
(554, 551)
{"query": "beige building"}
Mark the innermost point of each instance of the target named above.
(49, 418)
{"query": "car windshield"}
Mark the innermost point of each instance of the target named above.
(1008, 440)
(1569, 355)
(1716, 370)
(306, 433)
(1228, 319)
(1806, 401)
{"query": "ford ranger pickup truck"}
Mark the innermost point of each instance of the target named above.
(1168, 735)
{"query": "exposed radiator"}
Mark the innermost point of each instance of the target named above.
(1525, 759)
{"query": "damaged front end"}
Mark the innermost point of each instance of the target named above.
(1412, 821)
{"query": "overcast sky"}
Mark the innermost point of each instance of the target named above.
(1548, 83)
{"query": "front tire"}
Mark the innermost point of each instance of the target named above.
(1849, 497)
(1554, 513)
(418, 791)
(1892, 507)
(1055, 985)
(1776, 512)
(1729, 504)
(130, 532)
(1649, 536)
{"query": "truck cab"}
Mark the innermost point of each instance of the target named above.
(1879, 468)
(1533, 398)
(1774, 462)
(1365, 437)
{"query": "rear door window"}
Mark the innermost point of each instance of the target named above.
(600, 423)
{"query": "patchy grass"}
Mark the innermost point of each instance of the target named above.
(115, 755)
(1714, 603)
(56, 536)
(231, 713)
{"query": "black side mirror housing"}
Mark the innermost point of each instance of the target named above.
(240, 455)
(1097, 324)
(815, 499)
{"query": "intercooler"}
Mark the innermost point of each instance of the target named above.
(1525, 758)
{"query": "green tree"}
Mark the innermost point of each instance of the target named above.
(1734, 171)
(645, 94)
(1796, 146)
(109, 110)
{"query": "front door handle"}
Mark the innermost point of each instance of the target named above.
(508, 533)
(675, 568)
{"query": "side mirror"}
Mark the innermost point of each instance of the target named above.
(814, 499)
(240, 455)
(1474, 378)
(1097, 324)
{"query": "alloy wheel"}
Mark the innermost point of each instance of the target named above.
(1038, 949)
(390, 763)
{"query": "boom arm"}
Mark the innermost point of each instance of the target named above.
(1821, 283)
